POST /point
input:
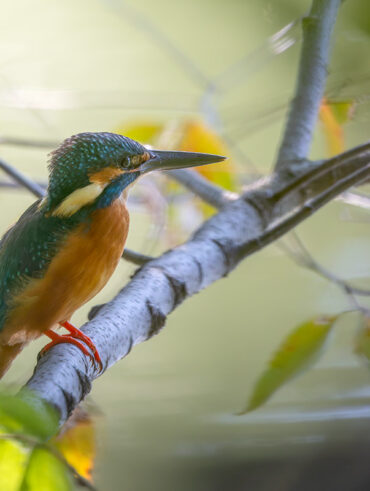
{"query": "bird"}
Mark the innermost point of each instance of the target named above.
(64, 248)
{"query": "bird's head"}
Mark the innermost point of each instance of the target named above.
(88, 165)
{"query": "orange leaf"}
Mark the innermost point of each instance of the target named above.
(332, 129)
(198, 137)
(76, 442)
(190, 136)
(333, 115)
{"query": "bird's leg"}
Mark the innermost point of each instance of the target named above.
(66, 338)
(76, 333)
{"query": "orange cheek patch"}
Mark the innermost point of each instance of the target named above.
(105, 175)
(136, 160)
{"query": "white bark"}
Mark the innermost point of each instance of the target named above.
(243, 226)
(64, 375)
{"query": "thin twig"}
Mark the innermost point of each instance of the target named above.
(25, 181)
(305, 259)
(317, 29)
(16, 185)
(355, 198)
(203, 188)
(135, 257)
(143, 22)
(26, 142)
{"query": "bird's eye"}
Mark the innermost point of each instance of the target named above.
(136, 160)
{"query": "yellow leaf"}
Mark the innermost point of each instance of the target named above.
(188, 136)
(144, 132)
(198, 137)
(298, 351)
(13, 463)
(343, 111)
(76, 443)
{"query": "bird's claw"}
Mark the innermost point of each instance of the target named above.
(75, 339)
(77, 334)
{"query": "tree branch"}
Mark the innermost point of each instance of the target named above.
(139, 311)
(201, 187)
(26, 142)
(356, 199)
(17, 186)
(317, 29)
(268, 210)
(136, 257)
(212, 194)
(23, 180)
(303, 258)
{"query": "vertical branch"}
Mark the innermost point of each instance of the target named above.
(317, 30)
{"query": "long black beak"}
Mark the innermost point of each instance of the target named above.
(167, 160)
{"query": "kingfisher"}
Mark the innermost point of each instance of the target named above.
(65, 247)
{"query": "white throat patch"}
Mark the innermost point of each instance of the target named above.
(79, 198)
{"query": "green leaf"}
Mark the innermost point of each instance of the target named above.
(363, 339)
(297, 352)
(13, 462)
(342, 110)
(29, 416)
(45, 472)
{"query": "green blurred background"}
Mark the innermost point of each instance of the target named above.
(166, 414)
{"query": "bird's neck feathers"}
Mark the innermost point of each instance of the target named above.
(78, 199)
(99, 193)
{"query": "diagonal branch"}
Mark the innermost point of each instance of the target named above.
(135, 257)
(14, 185)
(354, 198)
(23, 180)
(210, 193)
(241, 228)
(302, 257)
(27, 142)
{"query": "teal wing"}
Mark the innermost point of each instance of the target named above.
(26, 251)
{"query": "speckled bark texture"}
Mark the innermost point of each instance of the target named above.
(64, 375)
(265, 212)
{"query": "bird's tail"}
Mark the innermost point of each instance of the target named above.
(7, 355)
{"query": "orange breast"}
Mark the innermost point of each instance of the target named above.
(77, 273)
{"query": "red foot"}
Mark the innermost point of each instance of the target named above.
(73, 338)
(76, 333)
